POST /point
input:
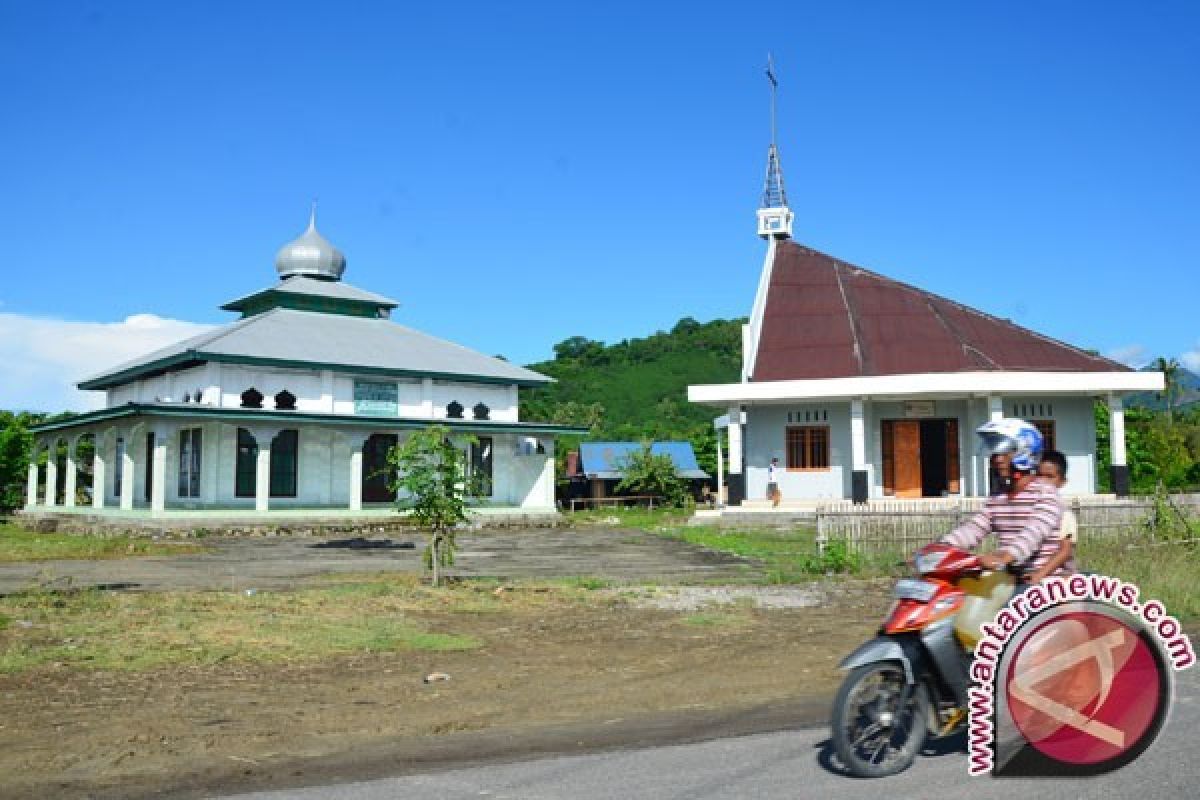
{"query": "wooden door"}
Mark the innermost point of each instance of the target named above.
(906, 449)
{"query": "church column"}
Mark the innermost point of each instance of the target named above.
(1116, 436)
(858, 451)
(995, 407)
(72, 473)
(720, 468)
(51, 498)
(737, 478)
(356, 441)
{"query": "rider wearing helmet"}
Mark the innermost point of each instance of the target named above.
(1022, 512)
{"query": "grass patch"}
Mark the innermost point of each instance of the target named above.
(94, 629)
(1168, 571)
(717, 619)
(641, 518)
(18, 544)
(787, 556)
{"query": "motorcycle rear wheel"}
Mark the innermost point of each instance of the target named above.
(871, 735)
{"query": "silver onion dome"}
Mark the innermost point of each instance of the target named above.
(310, 254)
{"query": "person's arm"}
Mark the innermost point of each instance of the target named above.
(972, 532)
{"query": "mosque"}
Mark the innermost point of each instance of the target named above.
(292, 407)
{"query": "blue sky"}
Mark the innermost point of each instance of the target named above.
(515, 174)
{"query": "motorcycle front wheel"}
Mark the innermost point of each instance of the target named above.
(872, 735)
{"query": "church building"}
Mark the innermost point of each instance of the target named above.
(865, 388)
(292, 407)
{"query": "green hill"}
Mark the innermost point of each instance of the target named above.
(636, 389)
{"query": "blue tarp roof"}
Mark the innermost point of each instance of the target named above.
(604, 459)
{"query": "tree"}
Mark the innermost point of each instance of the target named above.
(431, 483)
(1169, 367)
(654, 474)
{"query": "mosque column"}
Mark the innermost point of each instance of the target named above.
(129, 465)
(1116, 436)
(357, 442)
(51, 498)
(72, 473)
(263, 437)
(31, 480)
(158, 469)
(100, 469)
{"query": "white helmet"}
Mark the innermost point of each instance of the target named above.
(1016, 437)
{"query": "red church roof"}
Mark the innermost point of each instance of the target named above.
(825, 318)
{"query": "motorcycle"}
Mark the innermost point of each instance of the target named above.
(911, 680)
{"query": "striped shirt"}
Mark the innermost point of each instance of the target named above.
(1024, 524)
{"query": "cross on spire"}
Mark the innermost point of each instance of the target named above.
(774, 217)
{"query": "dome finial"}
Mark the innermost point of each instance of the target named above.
(310, 254)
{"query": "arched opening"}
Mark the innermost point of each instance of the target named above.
(59, 454)
(454, 410)
(481, 411)
(252, 398)
(40, 457)
(377, 473)
(285, 401)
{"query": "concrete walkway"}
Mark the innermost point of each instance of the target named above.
(285, 562)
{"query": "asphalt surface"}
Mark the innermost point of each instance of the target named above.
(783, 766)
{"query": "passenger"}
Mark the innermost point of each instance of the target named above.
(1056, 555)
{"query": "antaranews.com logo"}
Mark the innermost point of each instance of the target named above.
(1073, 677)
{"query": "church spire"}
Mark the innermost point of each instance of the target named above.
(774, 216)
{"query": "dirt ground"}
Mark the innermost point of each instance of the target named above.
(552, 679)
(622, 667)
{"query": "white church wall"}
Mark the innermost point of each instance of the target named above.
(1074, 434)
(523, 477)
(766, 438)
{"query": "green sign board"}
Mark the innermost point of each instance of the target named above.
(377, 399)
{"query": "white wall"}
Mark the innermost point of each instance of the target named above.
(316, 391)
(766, 438)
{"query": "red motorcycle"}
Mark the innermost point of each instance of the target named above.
(912, 679)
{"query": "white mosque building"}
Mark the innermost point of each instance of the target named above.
(293, 407)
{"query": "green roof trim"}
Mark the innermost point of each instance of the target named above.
(191, 358)
(269, 299)
(200, 412)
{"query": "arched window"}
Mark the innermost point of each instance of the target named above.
(187, 397)
(198, 396)
(285, 401)
(454, 410)
(480, 411)
(252, 398)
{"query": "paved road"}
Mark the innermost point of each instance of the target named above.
(285, 562)
(782, 766)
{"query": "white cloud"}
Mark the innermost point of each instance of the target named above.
(1131, 355)
(41, 359)
(1191, 359)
